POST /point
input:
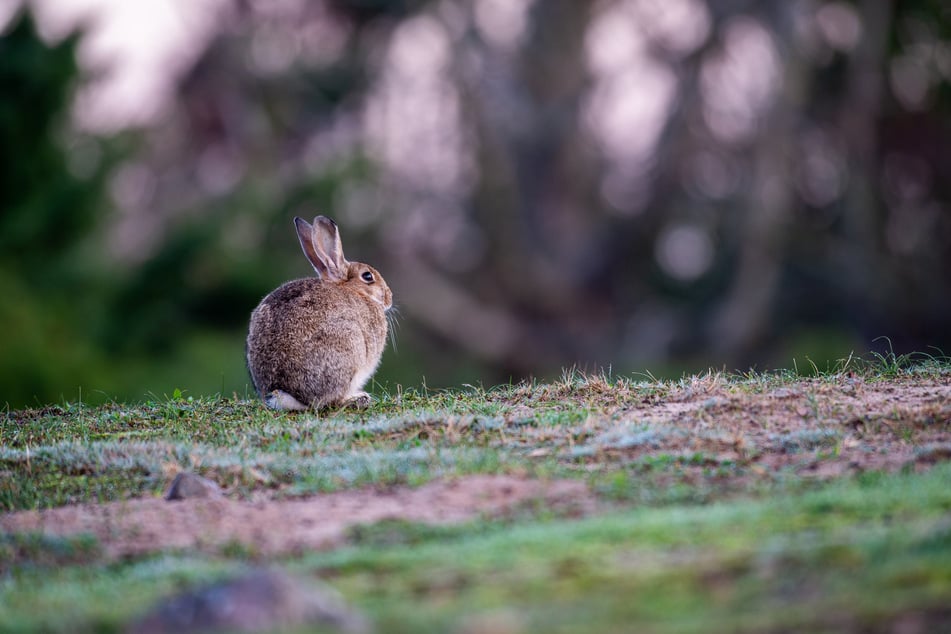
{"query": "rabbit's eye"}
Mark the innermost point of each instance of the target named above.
(367, 277)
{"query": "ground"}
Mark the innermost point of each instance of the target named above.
(271, 527)
(758, 502)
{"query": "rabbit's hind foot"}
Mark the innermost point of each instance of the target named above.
(279, 399)
(360, 400)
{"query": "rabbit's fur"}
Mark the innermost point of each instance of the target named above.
(315, 342)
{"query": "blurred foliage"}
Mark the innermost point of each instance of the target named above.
(542, 183)
(45, 208)
(45, 213)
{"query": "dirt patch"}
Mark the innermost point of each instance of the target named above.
(140, 526)
(817, 428)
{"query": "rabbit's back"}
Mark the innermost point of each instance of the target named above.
(314, 340)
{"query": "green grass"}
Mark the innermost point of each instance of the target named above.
(855, 556)
(716, 515)
(810, 562)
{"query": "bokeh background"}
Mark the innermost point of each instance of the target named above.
(640, 185)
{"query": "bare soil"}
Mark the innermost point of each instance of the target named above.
(140, 526)
(881, 425)
(813, 428)
(856, 425)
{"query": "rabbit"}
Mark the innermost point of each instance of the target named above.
(313, 343)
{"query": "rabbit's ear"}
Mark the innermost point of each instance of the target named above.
(305, 233)
(321, 244)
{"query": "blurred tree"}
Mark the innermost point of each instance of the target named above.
(620, 183)
(44, 208)
(46, 211)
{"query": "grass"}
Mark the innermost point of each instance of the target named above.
(821, 560)
(855, 556)
(755, 502)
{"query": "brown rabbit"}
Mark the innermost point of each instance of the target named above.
(315, 342)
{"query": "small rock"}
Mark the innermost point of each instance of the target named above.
(258, 601)
(189, 485)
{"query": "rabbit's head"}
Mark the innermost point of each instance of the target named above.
(321, 244)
